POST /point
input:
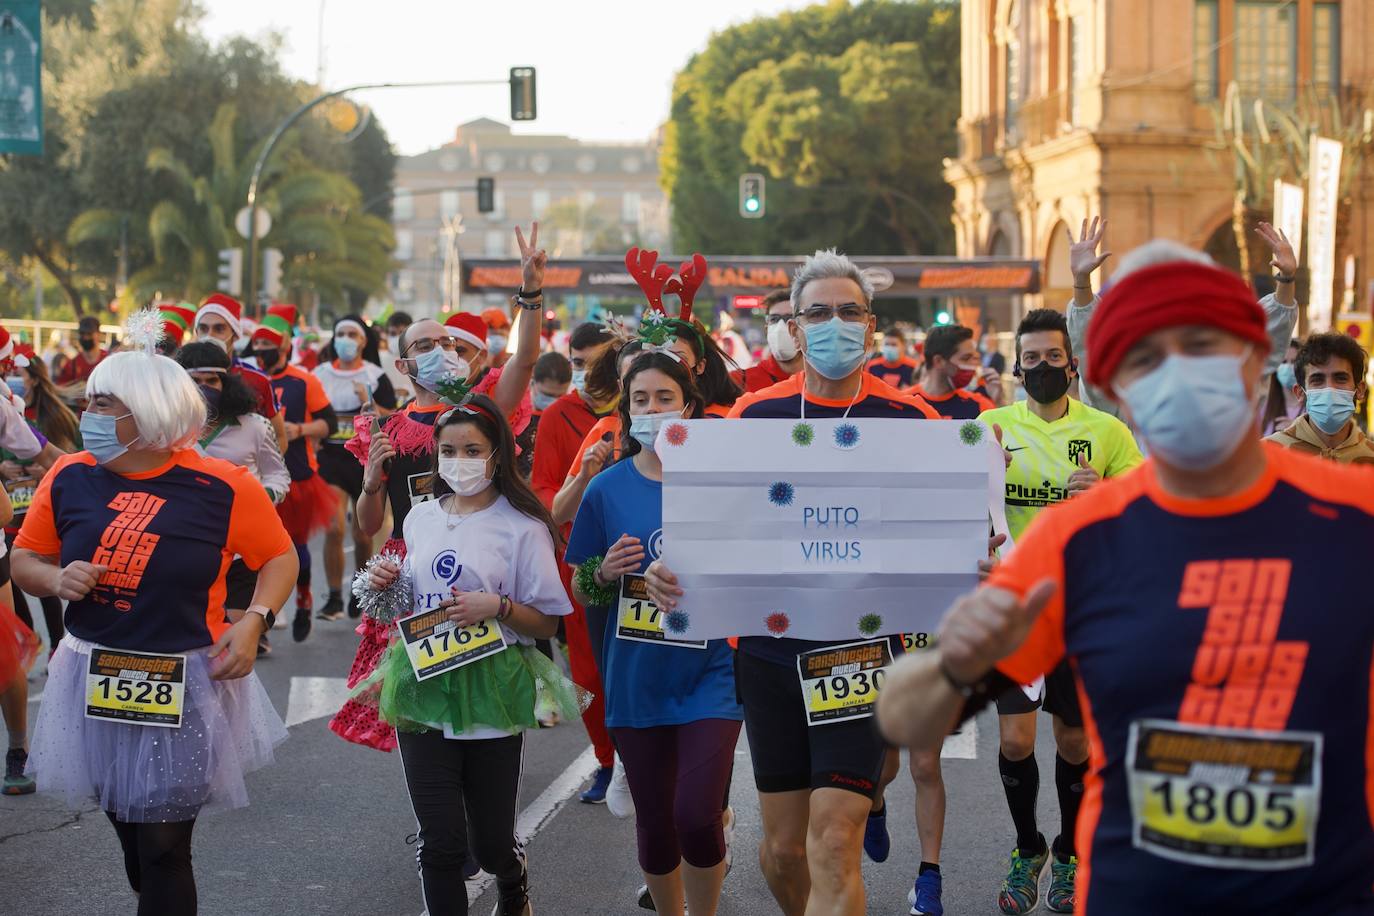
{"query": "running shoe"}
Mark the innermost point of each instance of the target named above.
(354, 611)
(470, 867)
(300, 626)
(618, 799)
(877, 843)
(1060, 897)
(924, 897)
(16, 783)
(515, 899)
(1021, 890)
(646, 899)
(596, 792)
(332, 609)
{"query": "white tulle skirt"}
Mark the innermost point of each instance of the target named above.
(144, 773)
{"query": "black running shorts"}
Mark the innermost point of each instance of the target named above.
(1061, 698)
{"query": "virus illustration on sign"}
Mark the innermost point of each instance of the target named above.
(846, 435)
(781, 493)
(803, 434)
(778, 623)
(675, 434)
(971, 433)
(677, 621)
(870, 624)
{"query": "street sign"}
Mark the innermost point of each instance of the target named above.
(21, 82)
(264, 222)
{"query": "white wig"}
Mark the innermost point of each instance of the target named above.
(166, 403)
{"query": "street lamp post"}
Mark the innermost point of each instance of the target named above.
(283, 127)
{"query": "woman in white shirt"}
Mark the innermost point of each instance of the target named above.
(465, 680)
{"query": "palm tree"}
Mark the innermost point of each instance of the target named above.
(328, 244)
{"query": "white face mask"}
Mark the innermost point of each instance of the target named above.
(467, 476)
(780, 342)
(206, 338)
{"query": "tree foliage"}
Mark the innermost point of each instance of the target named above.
(848, 109)
(137, 145)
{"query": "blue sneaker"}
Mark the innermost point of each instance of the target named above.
(924, 897)
(596, 792)
(876, 841)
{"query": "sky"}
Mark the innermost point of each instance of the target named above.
(605, 67)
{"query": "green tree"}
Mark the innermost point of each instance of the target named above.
(848, 109)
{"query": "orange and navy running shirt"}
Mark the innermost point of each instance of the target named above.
(899, 374)
(1221, 648)
(959, 404)
(784, 401)
(166, 537)
(302, 397)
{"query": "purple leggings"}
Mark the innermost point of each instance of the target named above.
(677, 775)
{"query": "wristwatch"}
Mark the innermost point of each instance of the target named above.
(1282, 279)
(269, 617)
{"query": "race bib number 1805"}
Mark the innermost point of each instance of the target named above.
(841, 683)
(139, 688)
(436, 644)
(1223, 797)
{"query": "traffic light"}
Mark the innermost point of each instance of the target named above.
(231, 271)
(271, 272)
(486, 195)
(522, 100)
(751, 203)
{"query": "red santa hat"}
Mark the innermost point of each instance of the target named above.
(277, 325)
(226, 307)
(469, 327)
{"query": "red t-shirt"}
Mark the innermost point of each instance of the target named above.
(562, 427)
(763, 374)
(79, 367)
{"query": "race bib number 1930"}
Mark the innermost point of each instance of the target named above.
(841, 683)
(1224, 797)
(139, 688)
(436, 644)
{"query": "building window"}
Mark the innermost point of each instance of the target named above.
(1012, 85)
(1326, 48)
(1266, 49)
(1206, 26)
(629, 207)
(448, 204)
(405, 245)
(1078, 65)
(496, 243)
(402, 204)
(539, 202)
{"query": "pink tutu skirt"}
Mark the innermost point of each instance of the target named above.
(357, 720)
(147, 774)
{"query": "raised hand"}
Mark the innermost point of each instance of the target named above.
(533, 259)
(1285, 259)
(986, 626)
(1083, 256)
(1083, 478)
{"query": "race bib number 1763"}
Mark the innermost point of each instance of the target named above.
(436, 644)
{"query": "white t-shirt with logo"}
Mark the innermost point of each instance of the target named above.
(498, 550)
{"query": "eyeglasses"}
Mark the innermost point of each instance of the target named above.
(427, 345)
(819, 314)
(775, 319)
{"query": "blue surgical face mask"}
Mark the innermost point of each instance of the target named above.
(1287, 376)
(541, 400)
(431, 368)
(835, 348)
(644, 427)
(17, 384)
(100, 437)
(1330, 408)
(1192, 411)
(891, 352)
(579, 380)
(346, 348)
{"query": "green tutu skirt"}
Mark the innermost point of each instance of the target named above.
(509, 691)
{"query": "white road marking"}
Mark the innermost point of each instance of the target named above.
(963, 746)
(314, 698)
(540, 811)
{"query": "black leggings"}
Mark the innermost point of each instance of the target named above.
(445, 776)
(157, 859)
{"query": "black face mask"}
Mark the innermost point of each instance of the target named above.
(268, 358)
(1045, 384)
(212, 396)
(87, 343)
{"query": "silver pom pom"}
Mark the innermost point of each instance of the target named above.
(392, 602)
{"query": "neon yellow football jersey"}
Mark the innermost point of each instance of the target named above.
(1044, 455)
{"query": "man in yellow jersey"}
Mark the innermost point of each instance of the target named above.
(1059, 447)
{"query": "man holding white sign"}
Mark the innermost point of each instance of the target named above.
(816, 756)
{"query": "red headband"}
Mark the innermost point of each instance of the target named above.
(1168, 295)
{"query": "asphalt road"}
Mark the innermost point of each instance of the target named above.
(326, 831)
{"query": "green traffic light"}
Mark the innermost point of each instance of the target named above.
(752, 205)
(942, 318)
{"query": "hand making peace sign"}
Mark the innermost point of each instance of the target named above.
(533, 259)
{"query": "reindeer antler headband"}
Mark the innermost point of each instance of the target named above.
(655, 279)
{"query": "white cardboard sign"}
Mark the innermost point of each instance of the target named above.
(825, 529)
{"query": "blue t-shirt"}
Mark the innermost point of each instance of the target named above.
(647, 685)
